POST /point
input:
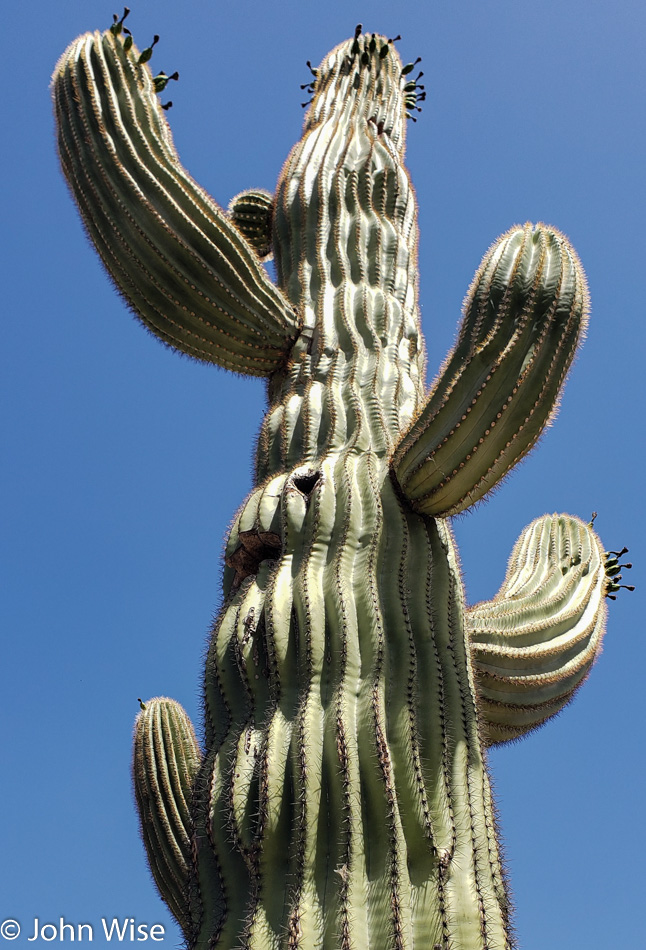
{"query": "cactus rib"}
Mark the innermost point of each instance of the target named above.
(184, 268)
(533, 645)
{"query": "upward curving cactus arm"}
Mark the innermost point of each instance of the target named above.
(165, 764)
(185, 269)
(533, 645)
(524, 314)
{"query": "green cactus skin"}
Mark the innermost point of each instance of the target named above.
(342, 799)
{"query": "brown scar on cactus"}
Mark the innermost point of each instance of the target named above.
(342, 799)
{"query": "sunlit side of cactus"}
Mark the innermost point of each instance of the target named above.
(342, 798)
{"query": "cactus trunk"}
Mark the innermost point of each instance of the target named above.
(358, 800)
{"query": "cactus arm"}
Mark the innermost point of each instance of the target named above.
(165, 763)
(184, 268)
(533, 645)
(523, 317)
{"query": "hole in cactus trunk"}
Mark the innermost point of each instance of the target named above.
(306, 483)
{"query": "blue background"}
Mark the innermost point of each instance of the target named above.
(123, 463)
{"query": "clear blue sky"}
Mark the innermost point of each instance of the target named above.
(123, 463)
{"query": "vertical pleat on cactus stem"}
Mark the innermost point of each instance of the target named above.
(342, 801)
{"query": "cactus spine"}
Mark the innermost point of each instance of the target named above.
(342, 799)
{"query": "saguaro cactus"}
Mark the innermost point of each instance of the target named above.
(342, 798)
